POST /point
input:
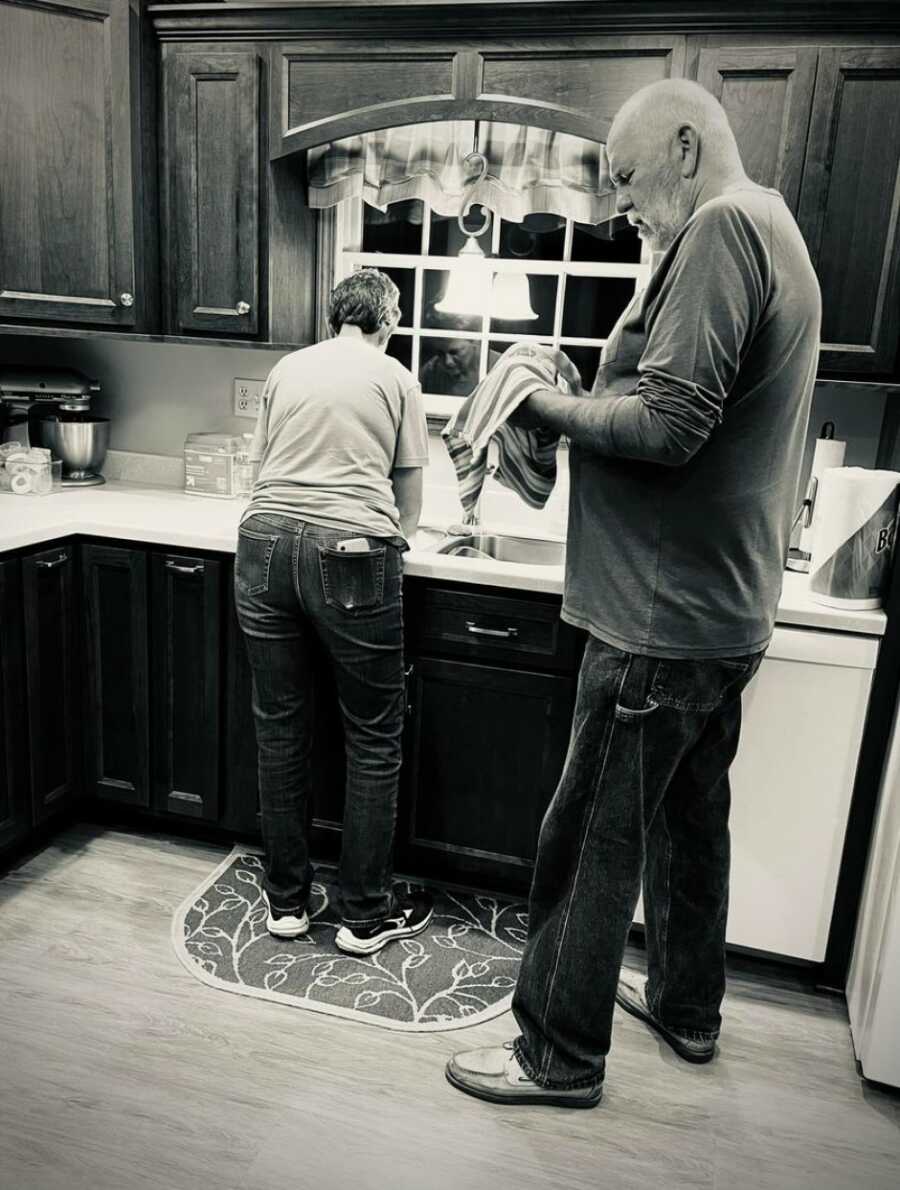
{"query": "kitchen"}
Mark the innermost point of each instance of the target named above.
(124, 1070)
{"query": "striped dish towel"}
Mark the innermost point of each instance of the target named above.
(526, 458)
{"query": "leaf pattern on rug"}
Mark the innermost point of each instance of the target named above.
(461, 970)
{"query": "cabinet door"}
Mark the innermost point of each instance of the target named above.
(484, 753)
(849, 204)
(212, 194)
(767, 94)
(50, 670)
(117, 714)
(186, 673)
(66, 215)
(15, 811)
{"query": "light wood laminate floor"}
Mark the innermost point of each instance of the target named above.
(119, 1071)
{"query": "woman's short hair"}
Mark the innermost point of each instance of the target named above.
(367, 298)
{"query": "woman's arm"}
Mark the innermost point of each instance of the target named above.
(407, 485)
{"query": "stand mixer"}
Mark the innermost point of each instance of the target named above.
(56, 403)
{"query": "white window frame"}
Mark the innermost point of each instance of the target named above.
(341, 240)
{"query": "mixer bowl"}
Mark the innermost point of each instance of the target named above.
(79, 439)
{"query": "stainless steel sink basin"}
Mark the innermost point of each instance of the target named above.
(501, 548)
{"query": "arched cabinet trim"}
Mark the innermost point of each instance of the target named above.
(326, 91)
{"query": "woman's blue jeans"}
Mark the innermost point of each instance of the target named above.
(292, 585)
(644, 794)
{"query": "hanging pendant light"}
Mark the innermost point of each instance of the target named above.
(511, 298)
(468, 287)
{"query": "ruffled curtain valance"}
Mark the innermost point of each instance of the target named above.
(530, 170)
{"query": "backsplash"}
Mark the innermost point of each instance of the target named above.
(157, 393)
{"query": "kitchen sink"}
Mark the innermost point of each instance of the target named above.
(498, 547)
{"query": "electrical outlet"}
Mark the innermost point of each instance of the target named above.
(246, 397)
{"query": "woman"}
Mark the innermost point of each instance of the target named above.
(341, 441)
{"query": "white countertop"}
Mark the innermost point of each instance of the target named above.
(167, 516)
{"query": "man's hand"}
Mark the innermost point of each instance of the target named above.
(566, 370)
(525, 417)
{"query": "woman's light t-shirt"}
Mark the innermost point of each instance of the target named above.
(335, 420)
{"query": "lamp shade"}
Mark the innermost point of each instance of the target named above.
(468, 286)
(511, 298)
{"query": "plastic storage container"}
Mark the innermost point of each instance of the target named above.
(211, 464)
(25, 471)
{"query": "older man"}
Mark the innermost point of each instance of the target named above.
(684, 467)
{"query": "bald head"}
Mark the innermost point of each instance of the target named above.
(657, 111)
(670, 147)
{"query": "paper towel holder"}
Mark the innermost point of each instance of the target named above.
(797, 558)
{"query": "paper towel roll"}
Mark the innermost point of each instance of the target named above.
(20, 483)
(829, 452)
(855, 525)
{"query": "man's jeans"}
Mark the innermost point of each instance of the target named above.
(644, 792)
(292, 584)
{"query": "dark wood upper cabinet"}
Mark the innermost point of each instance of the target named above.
(51, 664)
(211, 192)
(72, 97)
(767, 93)
(849, 205)
(326, 90)
(116, 654)
(15, 812)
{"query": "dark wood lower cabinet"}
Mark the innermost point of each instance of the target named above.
(186, 674)
(51, 657)
(485, 748)
(15, 809)
(116, 655)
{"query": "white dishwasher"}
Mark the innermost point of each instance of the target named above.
(791, 785)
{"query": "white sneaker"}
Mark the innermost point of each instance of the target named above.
(285, 925)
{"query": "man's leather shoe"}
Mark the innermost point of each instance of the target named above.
(495, 1075)
(632, 996)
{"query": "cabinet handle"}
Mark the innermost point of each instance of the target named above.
(407, 676)
(49, 563)
(243, 307)
(126, 299)
(503, 633)
(197, 568)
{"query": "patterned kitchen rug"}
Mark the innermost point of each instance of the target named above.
(460, 971)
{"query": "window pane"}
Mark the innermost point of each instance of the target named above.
(405, 280)
(537, 237)
(398, 229)
(400, 347)
(585, 360)
(593, 304)
(447, 239)
(605, 243)
(434, 289)
(542, 290)
(449, 367)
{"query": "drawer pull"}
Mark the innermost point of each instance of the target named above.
(501, 633)
(197, 568)
(49, 563)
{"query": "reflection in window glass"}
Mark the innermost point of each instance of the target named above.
(449, 367)
(598, 243)
(398, 229)
(435, 288)
(542, 294)
(400, 347)
(593, 305)
(585, 360)
(446, 238)
(537, 237)
(405, 280)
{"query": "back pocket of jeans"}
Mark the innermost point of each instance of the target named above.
(352, 582)
(253, 561)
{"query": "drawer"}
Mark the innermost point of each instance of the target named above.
(473, 624)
